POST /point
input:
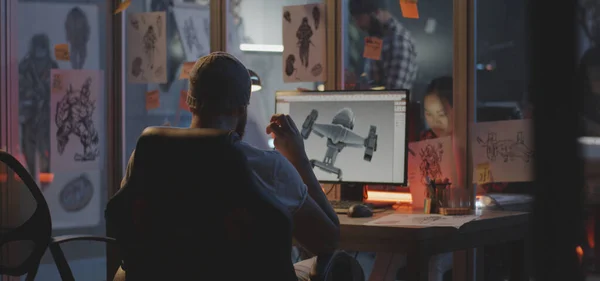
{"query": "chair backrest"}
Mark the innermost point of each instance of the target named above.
(191, 206)
(26, 228)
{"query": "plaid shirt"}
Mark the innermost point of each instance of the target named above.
(397, 68)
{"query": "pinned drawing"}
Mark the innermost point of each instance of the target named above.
(74, 199)
(506, 149)
(304, 43)
(147, 48)
(194, 29)
(77, 29)
(431, 157)
(76, 110)
(507, 146)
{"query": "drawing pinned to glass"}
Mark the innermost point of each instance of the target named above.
(74, 199)
(76, 107)
(428, 160)
(508, 148)
(304, 43)
(194, 28)
(147, 48)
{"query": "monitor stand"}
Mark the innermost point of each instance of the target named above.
(352, 192)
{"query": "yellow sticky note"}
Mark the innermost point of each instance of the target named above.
(123, 6)
(484, 175)
(61, 52)
(409, 9)
(373, 47)
(185, 70)
(152, 100)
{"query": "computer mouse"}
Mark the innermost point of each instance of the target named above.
(360, 211)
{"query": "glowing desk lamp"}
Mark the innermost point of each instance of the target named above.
(256, 84)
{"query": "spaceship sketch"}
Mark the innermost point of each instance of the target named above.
(339, 135)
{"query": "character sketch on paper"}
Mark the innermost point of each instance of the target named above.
(287, 16)
(149, 41)
(289, 65)
(316, 13)
(304, 35)
(34, 103)
(159, 30)
(74, 116)
(78, 31)
(76, 194)
(426, 220)
(431, 159)
(507, 150)
(190, 33)
(339, 135)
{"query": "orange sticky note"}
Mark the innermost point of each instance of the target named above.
(409, 9)
(373, 47)
(185, 70)
(183, 100)
(123, 6)
(152, 100)
(61, 52)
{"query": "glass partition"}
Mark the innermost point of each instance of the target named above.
(58, 119)
(254, 35)
(152, 97)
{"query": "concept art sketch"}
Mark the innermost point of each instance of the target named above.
(431, 157)
(159, 30)
(77, 29)
(289, 65)
(136, 67)
(34, 103)
(287, 16)
(303, 35)
(134, 23)
(339, 135)
(76, 194)
(190, 33)
(426, 220)
(316, 70)
(316, 14)
(150, 44)
(74, 116)
(507, 150)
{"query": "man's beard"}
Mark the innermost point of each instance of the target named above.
(375, 27)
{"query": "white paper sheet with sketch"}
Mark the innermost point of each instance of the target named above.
(422, 220)
(193, 24)
(76, 120)
(147, 47)
(304, 43)
(508, 148)
(74, 199)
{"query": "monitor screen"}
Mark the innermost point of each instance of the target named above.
(357, 137)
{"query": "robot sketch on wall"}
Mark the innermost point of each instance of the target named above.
(339, 135)
(507, 150)
(77, 29)
(74, 116)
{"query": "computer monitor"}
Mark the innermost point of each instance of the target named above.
(352, 136)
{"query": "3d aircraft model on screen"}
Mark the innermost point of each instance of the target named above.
(339, 134)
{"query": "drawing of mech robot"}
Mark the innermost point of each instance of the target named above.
(74, 116)
(190, 33)
(34, 103)
(506, 149)
(339, 135)
(77, 29)
(303, 35)
(149, 40)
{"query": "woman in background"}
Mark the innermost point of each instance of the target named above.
(437, 108)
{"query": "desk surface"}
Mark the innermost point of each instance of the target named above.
(490, 225)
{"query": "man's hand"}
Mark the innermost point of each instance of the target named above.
(287, 138)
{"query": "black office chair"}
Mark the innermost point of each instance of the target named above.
(191, 209)
(25, 231)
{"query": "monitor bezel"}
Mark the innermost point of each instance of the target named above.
(357, 92)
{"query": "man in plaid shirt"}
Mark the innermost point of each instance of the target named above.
(397, 68)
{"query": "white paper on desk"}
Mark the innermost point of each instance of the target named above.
(429, 159)
(422, 220)
(507, 146)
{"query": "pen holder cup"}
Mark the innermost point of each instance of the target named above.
(454, 201)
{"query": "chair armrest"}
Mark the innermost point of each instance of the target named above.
(59, 256)
(69, 238)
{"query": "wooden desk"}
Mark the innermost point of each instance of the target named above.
(420, 243)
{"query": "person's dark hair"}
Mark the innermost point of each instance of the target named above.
(358, 7)
(442, 87)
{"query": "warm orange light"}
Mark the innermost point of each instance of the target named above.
(591, 226)
(387, 196)
(579, 252)
(44, 177)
